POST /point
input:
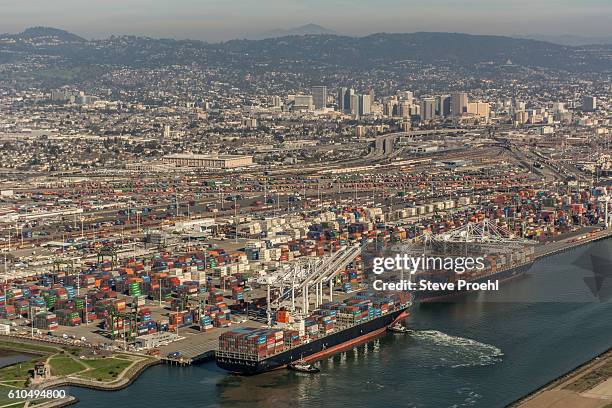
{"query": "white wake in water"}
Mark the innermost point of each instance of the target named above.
(452, 351)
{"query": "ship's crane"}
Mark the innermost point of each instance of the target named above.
(484, 234)
(482, 237)
(303, 277)
(604, 201)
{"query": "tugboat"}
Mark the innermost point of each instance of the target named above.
(303, 367)
(397, 328)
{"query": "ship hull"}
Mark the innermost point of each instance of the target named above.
(428, 296)
(316, 349)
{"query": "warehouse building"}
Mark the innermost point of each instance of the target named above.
(208, 161)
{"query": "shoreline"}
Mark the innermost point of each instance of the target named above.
(572, 373)
(130, 374)
(125, 381)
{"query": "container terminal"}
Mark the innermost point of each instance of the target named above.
(168, 293)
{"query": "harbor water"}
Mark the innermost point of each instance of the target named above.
(9, 358)
(484, 350)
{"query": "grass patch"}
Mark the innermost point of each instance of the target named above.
(27, 347)
(63, 365)
(592, 378)
(105, 369)
(4, 390)
(19, 373)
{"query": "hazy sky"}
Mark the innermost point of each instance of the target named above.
(215, 20)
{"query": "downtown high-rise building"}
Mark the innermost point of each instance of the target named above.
(276, 101)
(319, 96)
(428, 108)
(365, 104)
(354, 104)
(459, 103)
(589, 103)
(443, 105)
(340, 99)
(303, 102)
(405, 109)
(405, 96)
(348, 100)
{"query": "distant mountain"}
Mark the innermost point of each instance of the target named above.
(46, 32)
(572, 40)
(308, 29)
(385, 49)
(307, 54)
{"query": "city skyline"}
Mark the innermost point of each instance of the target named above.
(222, 20)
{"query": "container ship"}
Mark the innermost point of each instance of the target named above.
(497, 268)
(334, 327)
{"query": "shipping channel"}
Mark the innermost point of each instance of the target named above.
(485, 350)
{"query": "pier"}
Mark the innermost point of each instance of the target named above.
(196, 346)
(575, 240)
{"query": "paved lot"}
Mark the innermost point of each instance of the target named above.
(195, 343)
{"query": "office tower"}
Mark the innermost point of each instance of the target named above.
(428, 108)
(521, 117)
(354, 105)
(589, 103)
(303, 102)
(276, 101)
(348, 98)
(340, 98)
(319, 96)
(483, 109)
(459, 103)
(364, 105)
(405, 96)
(443, 105)
(404, 109)
(390, 108)
(472, 108)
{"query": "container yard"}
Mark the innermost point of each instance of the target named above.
(162, 281)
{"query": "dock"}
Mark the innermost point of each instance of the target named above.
(574, 241)
(195, 346)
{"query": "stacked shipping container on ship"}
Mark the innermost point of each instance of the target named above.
(333, 327)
